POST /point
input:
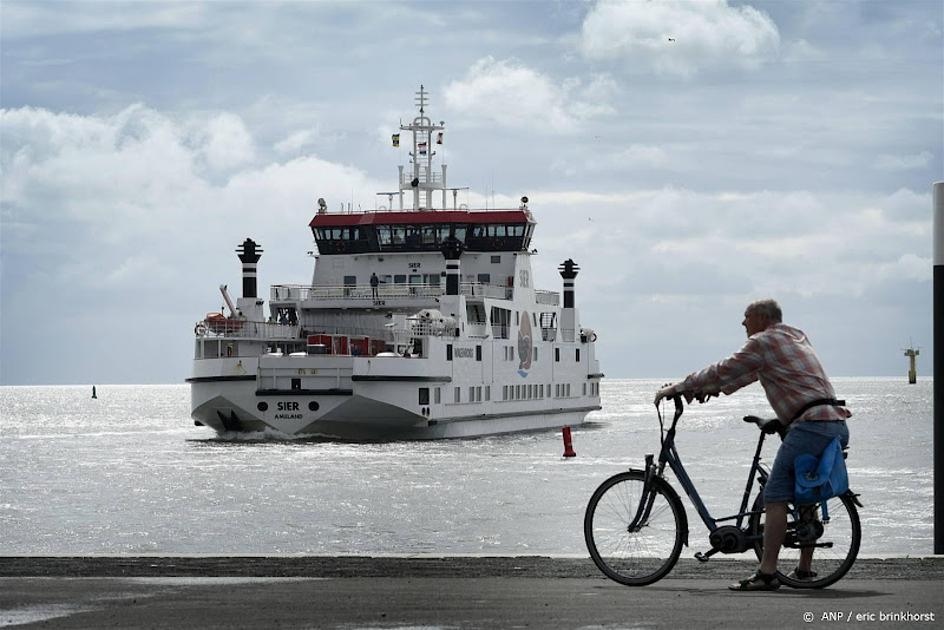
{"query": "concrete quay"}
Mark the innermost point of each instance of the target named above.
(443, 592)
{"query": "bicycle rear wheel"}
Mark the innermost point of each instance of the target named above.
(835, 541)
(634, 555)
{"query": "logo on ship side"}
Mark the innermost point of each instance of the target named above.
(524, 344)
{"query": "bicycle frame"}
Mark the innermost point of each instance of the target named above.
(669, 455)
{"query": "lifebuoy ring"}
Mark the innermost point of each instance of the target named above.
(199, 330)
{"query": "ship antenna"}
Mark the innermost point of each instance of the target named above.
(421, 99)
(422, 177)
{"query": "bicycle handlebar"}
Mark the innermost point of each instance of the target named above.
(679, 408)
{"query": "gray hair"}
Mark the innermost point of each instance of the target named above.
(767, 308)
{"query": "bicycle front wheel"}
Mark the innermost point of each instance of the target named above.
(834, 540)
(630, 545)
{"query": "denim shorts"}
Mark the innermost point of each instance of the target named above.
(803, 438)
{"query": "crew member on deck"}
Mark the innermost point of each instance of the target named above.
(374, 281)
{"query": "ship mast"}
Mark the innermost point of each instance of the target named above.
(423, 179)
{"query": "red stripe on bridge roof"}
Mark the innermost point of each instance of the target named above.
(422, 217)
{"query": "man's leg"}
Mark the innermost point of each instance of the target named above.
(807, 513)
(775, 527)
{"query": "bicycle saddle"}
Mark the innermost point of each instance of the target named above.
(767, 425)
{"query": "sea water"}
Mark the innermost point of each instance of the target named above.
(129, 473)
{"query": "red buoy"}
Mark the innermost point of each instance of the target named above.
(568, 443)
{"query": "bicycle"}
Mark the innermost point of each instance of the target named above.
(635, 523)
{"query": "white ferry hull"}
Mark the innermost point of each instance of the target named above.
(231, 408)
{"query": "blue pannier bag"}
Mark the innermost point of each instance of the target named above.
(818, 479)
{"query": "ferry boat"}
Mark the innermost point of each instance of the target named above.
(419, 323)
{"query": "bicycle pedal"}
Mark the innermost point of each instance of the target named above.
(705, 557)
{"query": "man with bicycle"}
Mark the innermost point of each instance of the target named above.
(784, 362)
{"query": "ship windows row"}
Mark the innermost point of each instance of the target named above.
(532, 391)
(474, 393)
(371, 238)
(480, 393)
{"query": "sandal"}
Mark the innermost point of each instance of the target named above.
(757, 582)
(801, 575)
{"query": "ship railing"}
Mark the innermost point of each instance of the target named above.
(431, 177)
(477, 330)
(352, 292)
(347, 331)
(241, 328)
(481, 289)
(547, 297)
(417, 328)
(400, 333)
(365, 293)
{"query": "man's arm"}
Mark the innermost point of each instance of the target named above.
(728, 375)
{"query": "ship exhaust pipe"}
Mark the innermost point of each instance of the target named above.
(568, 271)
(452, 251)
(249, 254)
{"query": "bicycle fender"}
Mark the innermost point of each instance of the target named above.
(673, 496)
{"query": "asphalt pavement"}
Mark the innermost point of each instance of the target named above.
(433, 593)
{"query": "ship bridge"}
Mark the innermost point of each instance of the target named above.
(423, 231)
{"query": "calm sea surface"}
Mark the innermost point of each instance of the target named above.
(129, 473)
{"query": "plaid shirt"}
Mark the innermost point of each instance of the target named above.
(783, 360)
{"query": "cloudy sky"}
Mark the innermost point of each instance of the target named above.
(690, 156)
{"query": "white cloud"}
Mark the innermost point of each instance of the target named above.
(889, 162)
(128, 189)
(295, 142)
(678, 37)
(227, 142)
(910, 267)
(677, 241)
(511, 94)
